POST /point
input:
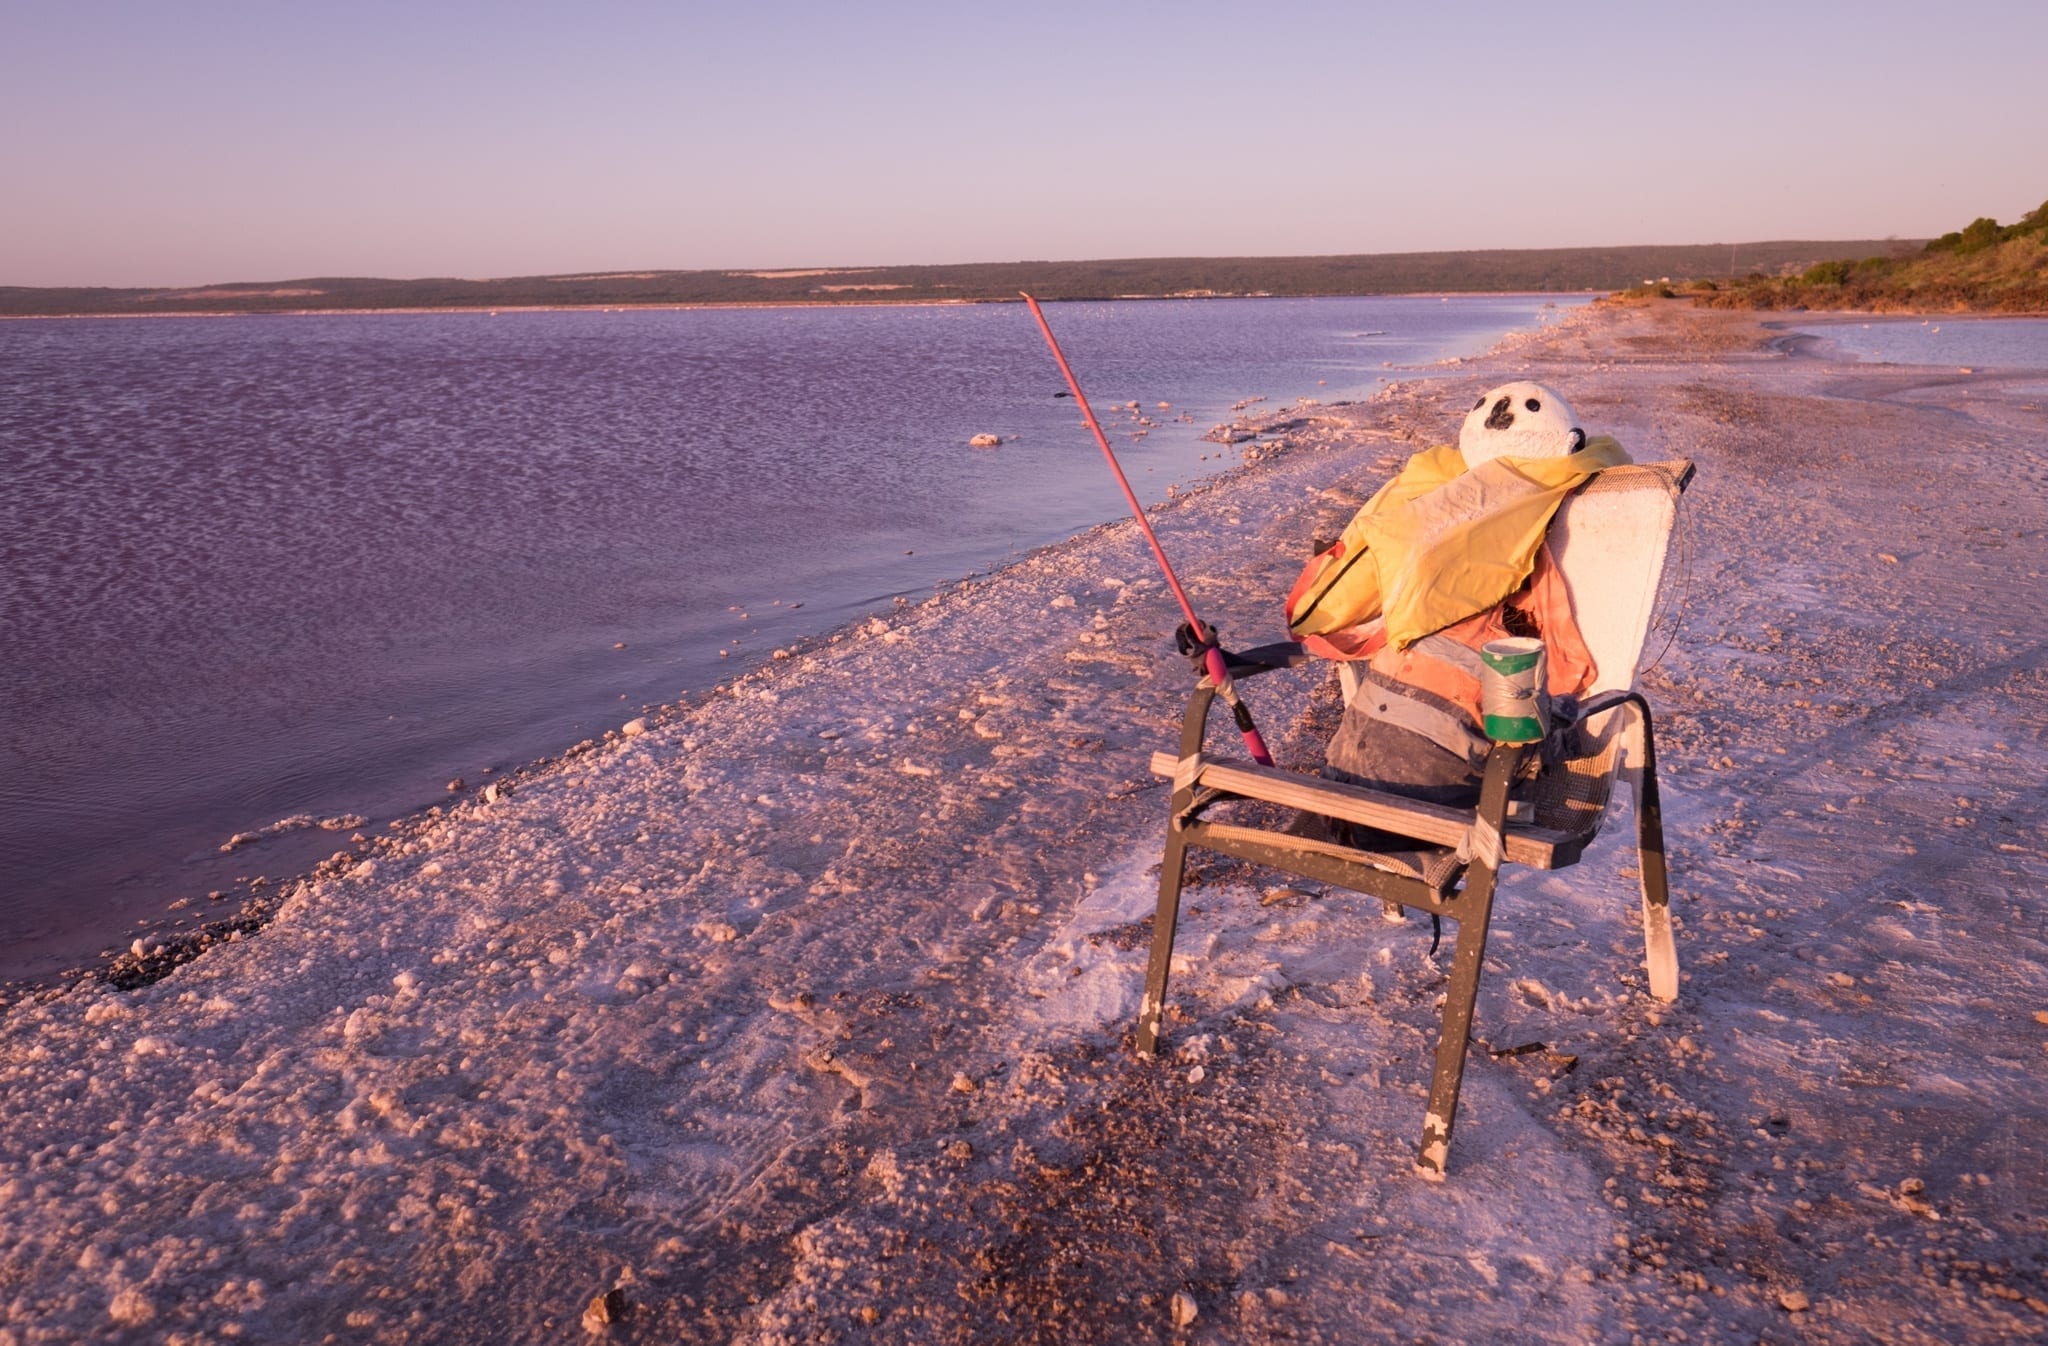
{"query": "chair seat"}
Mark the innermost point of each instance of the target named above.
(1437, 866)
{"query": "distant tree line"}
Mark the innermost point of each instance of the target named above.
(1487, 271)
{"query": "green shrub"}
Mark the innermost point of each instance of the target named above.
(1826, 273)
(1980, 234)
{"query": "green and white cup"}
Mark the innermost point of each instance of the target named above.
(1511, 690)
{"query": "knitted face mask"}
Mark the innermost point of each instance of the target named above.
(1519, 420)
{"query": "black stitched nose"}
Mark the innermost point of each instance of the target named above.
(1503, 414)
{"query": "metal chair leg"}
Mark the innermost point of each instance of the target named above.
(1459, 1000)
(1660, 950)
(1172, 867)
(1474, 913)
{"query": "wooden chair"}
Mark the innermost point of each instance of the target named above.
(1610, 541)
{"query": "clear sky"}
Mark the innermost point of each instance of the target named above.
(181, 143)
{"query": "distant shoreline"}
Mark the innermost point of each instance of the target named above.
(1576, 270)
(1816, 315)
(496, 309)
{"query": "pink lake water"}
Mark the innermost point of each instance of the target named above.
(255, 568)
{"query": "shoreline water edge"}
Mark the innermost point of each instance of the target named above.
(799, 1009)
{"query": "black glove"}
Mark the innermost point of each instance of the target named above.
(1194, 644)
(1195, 649)
(1285, 654)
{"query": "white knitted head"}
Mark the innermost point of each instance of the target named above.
(1519, 420)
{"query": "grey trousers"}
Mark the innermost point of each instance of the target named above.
(1370, 752)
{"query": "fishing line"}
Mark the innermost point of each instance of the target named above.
(1683, 526)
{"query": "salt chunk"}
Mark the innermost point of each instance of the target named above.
(634, 728)
(604, 1310)
(131, 1307)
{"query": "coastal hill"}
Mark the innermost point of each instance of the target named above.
(1984, 267)
(1498, 270)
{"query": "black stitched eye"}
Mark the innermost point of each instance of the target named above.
(1480, 403)
(1533, 405)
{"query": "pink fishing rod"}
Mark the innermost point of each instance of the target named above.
(1212, 655)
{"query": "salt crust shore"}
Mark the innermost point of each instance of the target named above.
(802, 1017)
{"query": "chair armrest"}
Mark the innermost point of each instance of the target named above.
(1431, 824)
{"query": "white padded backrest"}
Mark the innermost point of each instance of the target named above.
(1610, 540)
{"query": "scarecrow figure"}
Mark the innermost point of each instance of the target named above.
(1450, 554)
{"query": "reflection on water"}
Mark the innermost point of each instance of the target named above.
(258, 567)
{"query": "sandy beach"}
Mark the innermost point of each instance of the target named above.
(803, 1015)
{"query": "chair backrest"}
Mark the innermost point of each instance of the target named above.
(1609, 541)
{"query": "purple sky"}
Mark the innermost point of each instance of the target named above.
(194, 142)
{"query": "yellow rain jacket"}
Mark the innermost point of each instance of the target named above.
(1436, 545)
